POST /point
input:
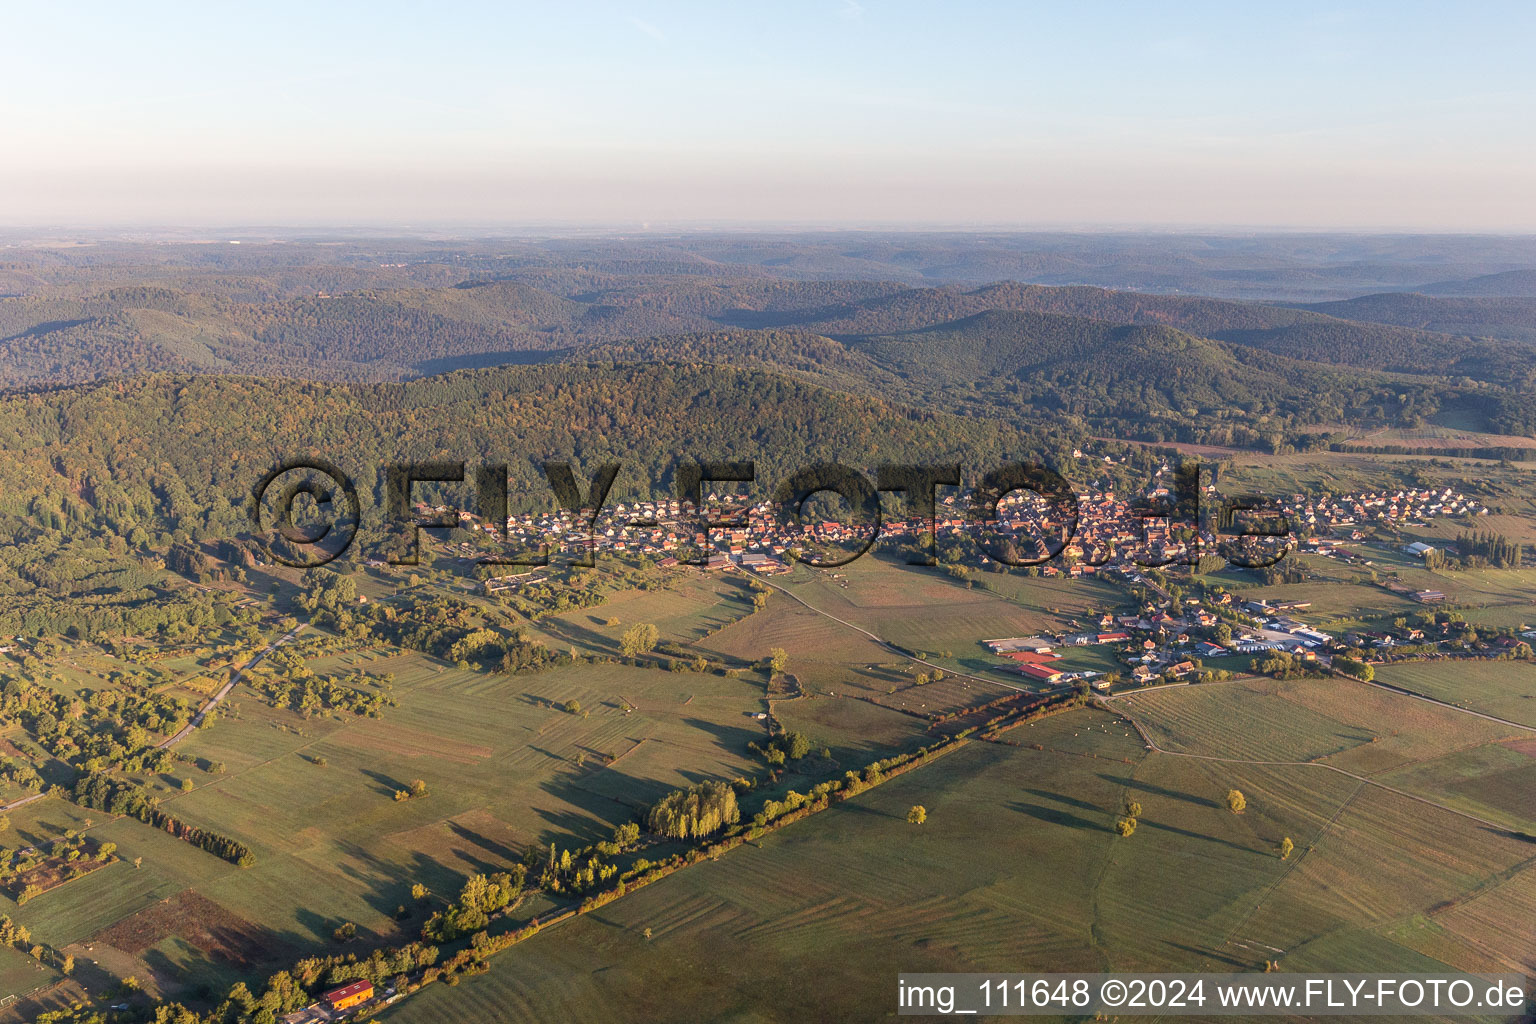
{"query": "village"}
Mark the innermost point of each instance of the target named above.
(1108, 530)
(1118, 539)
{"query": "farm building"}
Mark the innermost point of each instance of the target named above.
(1044, 673)
(1031, 657)
(349, 995)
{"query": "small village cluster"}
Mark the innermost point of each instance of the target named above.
(1163, 640)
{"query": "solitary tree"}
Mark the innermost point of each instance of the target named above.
(1132, 808)
(917, 815)
(1125, 826)
(641, 638)
(1236, 802)
(1286, 846)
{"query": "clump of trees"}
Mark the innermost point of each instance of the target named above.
(1125, 825)
(309, 695)
(694, 812)
(1282, 665)
(778, 661)
(1354, 667)
(788, 746)
(641, 638)
(418, 789)
(481, 897)
(1480, 549)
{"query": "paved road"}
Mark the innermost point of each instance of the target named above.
(213, 702)
(22, 802)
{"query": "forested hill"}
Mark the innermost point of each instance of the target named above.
(362, 335)
(1509, 284)
(1150, 382)
(1299, 333)
(167, 452)
(1508, 318)
(438, 318)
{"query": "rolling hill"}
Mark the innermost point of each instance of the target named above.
(1506, 318)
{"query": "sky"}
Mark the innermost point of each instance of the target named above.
(1399, 116)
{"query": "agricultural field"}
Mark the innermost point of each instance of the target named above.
(505, 766)
(1346, 472)
(1504, 689)
(692, 606)
(922, 610)
(1437, 437)
(1339, 722)
(1018, 868)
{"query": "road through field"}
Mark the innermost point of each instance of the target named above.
(213, 702)
(890, 646)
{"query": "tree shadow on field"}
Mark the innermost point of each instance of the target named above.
(1073, 801)
(1052, 816)
(1508, 833)
(390, 785)
(592, 819)
(1200, 835)
(1362, 736)
(857, 807)
(1172, 794)
(1211, 954)
(731, 737)
(486, 843)
(572, 633)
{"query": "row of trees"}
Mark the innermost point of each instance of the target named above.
(121, 796)
(695, 812)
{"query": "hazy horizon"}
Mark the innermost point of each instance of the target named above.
(816, 114)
